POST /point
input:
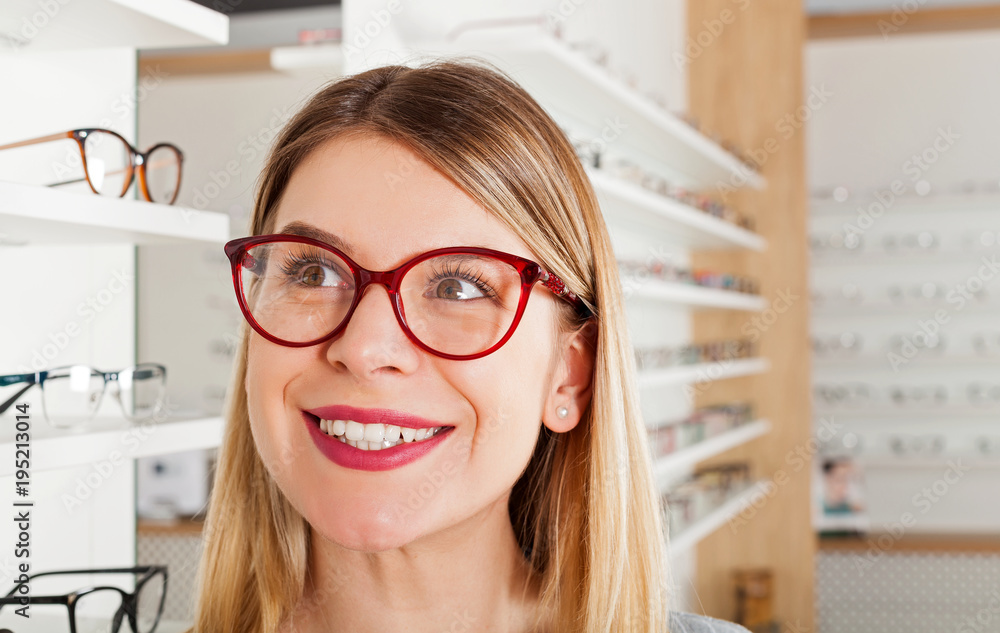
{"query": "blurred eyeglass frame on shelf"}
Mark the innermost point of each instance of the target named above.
(100, 148)
(72, 395)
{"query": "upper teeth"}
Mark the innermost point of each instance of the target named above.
(374, 437)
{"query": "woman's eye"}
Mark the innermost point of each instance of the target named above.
(317, 276)
(457, 289)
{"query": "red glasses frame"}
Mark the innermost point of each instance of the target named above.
(530, 272)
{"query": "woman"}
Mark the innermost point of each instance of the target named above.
(428, 450)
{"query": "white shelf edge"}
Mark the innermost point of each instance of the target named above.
(654, 120)
(700, 229)
(947, 202)
(669, 468)
(696, 296)
(52, 449)
(703, 372)
(44, 215)
(904, 414)
(90, 24)
(47, 622)
(712, 521)
(889, 462)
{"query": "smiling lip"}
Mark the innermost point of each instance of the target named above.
(372, 416)
(386, 459)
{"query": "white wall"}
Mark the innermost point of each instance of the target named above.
(915, 114)
(890, 98)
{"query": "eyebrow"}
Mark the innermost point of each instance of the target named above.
(303, 229)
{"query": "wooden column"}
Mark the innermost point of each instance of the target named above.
(745, 80)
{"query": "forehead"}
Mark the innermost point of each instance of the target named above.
(386, 204)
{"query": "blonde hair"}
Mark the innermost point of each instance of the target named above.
(585, 510)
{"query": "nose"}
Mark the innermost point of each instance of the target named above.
(374, 343)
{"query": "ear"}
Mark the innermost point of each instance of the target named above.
(572, 379)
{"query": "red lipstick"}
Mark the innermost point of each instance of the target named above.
(385, 459)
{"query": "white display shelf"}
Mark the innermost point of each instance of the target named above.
(887, 413)
(931, 203)
(883, 461)
(869, 362)
(696, 296)
(667, 470)
(703, 372)
(31, 26)
(579, 92)
(712, 521)
(47, 618)
(869, 260)
(691, 227)
(319, 56)
(910, 311)
(31, 214)
(53, 448)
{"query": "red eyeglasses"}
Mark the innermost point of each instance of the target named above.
(458, 303)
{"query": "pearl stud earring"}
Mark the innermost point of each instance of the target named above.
(562, 412)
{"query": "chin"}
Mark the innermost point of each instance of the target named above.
(367, 527)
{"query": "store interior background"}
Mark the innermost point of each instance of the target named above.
(872, 123)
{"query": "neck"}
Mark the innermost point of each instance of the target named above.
(471, 577)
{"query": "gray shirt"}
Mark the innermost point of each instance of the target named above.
(691, 623)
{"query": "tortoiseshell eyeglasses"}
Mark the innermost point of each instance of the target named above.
(110, 164)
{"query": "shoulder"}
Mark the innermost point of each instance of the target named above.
(691, 623)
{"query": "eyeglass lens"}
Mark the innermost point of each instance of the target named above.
(97, 612)
(109, 163)
(72, 395)
(109, 167)
(149, 602)
(458, 304)
(163, 174)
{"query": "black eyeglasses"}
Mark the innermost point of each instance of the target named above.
(100, 608)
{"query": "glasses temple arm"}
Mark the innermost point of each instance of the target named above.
(7, 403)
(40, 139)
(556, 285)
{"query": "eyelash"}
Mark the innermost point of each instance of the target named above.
(293, 264)
(457, 272)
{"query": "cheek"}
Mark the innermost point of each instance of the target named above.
(507, 391)
(268, 374)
